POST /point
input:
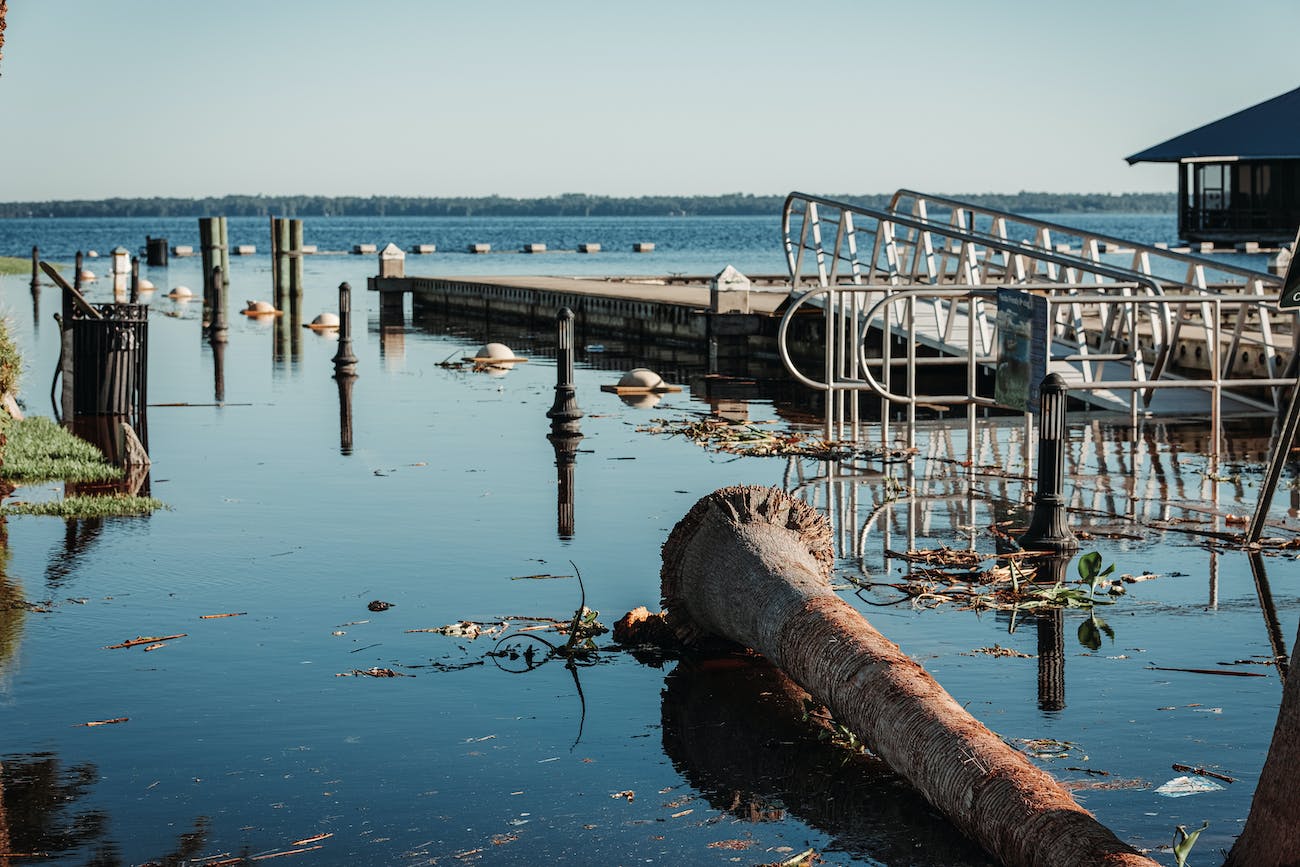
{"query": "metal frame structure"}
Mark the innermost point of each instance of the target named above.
(907, 276)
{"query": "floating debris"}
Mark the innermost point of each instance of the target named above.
(143, 639)
(103, 722)
(379, 605)
(745, 438)
(999, 650)
(1181, 787)
(372, 672)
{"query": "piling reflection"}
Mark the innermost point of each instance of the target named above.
(738, 737)
(1276, 641)
(1051, 658)
(345, 382)
(566, 457)
(219, 371)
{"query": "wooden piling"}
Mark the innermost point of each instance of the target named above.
(135, 279)
(753, 565)
(36, 267)
(223, 248)
(218, 332)
(296, 254)
(275, 263)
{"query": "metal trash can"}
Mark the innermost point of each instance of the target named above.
(155, 251)
(110, 360)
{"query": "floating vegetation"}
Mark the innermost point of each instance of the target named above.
(109, 506)
(755, 439)
(1016, 581)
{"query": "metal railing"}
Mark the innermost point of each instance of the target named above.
(921, 281)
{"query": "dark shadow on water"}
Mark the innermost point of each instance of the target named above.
(737, 735)
(39, 814)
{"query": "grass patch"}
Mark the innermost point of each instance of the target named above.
(10, 362)
(117, 505)
(38, 450)
(15, 265)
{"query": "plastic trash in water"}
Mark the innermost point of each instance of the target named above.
(1180, 787)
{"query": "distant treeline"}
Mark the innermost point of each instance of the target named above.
(567, 205)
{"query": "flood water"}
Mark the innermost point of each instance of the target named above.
(294, 504)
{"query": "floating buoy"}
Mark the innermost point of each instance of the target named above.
(146, 285)
(259, 308)
(324, 322)
(641, 380)
(87, 275)
(181, 293)
(641, 400)
(494, 355)
(93, 255)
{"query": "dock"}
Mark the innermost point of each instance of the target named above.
(674, 309)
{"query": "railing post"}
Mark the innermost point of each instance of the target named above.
(1048, 530)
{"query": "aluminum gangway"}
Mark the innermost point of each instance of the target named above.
(925, 270)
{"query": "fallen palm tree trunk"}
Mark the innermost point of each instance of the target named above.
(752, 565)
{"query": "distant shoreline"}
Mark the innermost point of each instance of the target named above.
(568, 205)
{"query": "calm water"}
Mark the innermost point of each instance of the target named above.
(243, 739)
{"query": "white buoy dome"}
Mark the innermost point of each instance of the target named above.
(494, 350)
(259, 307)
(325, 320)
(87, 274)
(641, 377)
(181, 292)
(146, 285)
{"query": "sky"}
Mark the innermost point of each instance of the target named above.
(532, 98)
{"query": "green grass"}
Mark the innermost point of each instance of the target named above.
(110, 506)
(38, 450)
(10, 361)
(14, 265)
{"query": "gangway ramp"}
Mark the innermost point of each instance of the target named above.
(1117, 328)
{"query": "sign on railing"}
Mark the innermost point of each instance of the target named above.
(1022, 343)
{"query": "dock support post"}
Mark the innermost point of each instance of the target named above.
(223, 248)
(135, 279)
(295, 257)
(345, 363)
(1048, 528)
(276, 284)
(217, 333)
(36, 268)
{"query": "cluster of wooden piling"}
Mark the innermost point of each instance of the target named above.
(286, 261)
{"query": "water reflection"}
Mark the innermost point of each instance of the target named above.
(566, 456)
(219, 371)
(123, 445)
(1051, 658)
(345, 382)
(38, 810)
(1271, 625)
(738, 737)
(39, 817)
(13, 611)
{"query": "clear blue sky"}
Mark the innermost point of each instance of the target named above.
(537, 97)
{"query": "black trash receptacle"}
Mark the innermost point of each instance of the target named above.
(155, 251)
(110, 360)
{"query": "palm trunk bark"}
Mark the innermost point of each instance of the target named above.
(1271, 837)
(752, 565)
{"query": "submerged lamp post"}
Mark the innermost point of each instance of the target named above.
(1048, 530)
(345, 363)
(564, 412)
